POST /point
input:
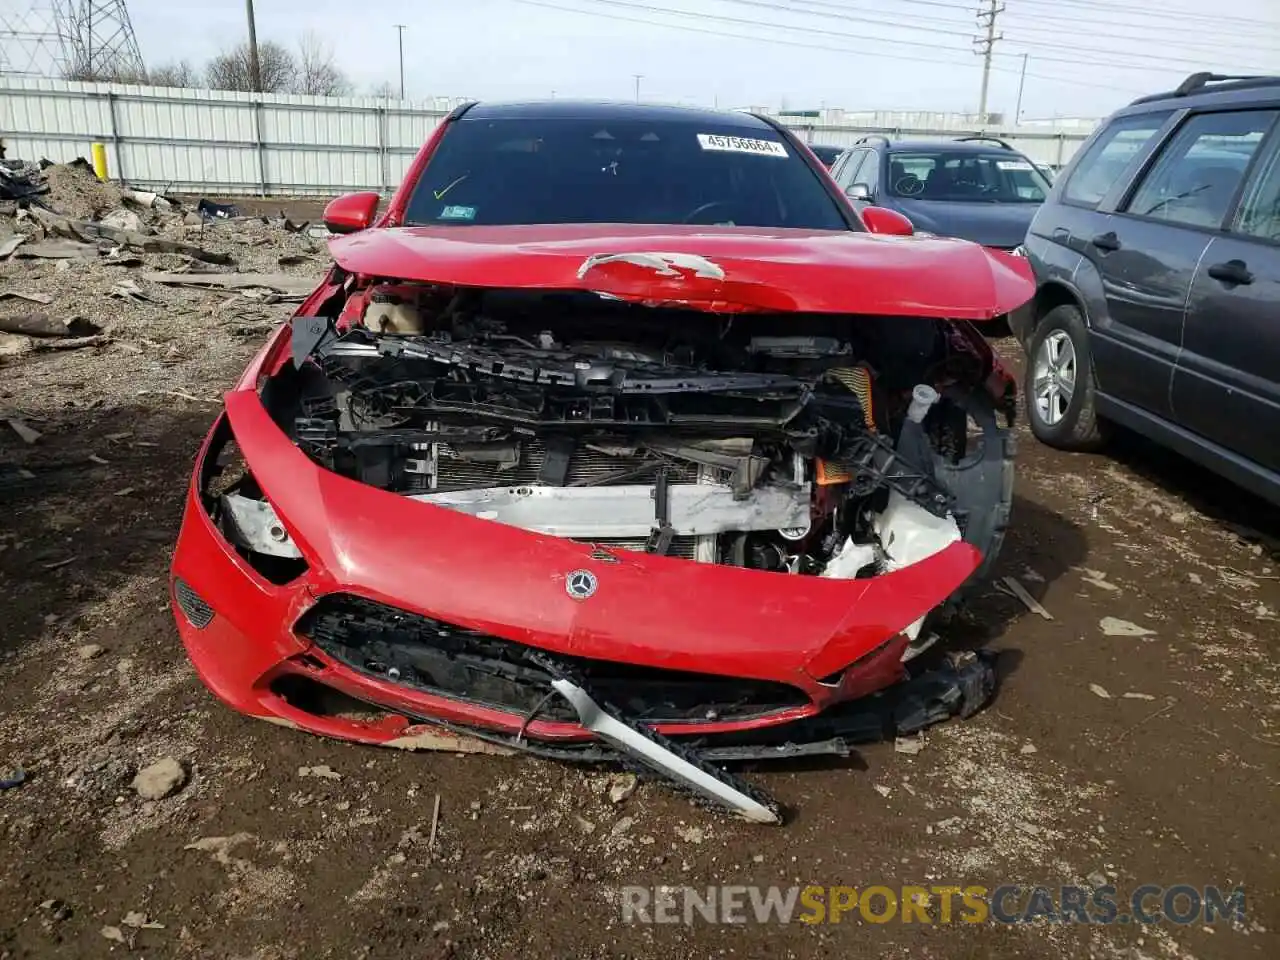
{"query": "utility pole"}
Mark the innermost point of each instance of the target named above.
(1022, 82)
(255, 70)
(638, 78)
(986, 46)
(400, 34)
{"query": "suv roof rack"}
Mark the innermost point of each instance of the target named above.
(873, 136)
(1198, 82)
(1003, 143)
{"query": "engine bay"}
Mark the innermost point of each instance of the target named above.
(839, 446)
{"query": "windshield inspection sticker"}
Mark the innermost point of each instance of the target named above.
(458, 213)
(761, 148)
(1013, 165)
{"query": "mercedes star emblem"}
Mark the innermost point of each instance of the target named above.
(581, 584)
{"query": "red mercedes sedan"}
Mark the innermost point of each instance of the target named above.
(619, 434)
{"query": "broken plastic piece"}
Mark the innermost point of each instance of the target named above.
(647, 748)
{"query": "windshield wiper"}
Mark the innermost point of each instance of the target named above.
(1174, 199)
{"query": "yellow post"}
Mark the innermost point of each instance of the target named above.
(100, 160)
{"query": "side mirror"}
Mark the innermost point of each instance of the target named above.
(888, 222)
(859, 191)
(351, 212)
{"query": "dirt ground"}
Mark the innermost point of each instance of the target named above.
(1170, 778)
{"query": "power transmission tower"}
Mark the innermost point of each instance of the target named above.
(84, 39)
(986, 45)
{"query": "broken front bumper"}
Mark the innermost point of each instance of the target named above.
(798, 645)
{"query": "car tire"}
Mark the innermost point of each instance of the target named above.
(1062, 409)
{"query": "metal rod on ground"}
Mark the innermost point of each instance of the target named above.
(435, 822)
(255, 69)
(400, 33)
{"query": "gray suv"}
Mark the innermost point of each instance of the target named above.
(1157, 260)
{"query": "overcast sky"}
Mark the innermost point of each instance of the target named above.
(856, 54)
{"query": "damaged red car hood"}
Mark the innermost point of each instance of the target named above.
(718, 269)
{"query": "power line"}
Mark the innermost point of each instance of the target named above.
(777, 41)
(1157, 61)
(1164, 13)
(1223, 31)
(1185, 44)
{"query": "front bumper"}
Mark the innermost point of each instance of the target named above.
(827, 642)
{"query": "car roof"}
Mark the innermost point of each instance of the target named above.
(1210, 89)
(958, 145)
(951, 146)
(608, 110)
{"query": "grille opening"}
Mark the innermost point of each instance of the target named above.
(321, 700)
(418, 652)
(198, 613)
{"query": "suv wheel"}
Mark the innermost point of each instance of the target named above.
(1059, 382)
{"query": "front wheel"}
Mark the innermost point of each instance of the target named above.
(1059, 383)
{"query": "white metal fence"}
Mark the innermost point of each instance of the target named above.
(219, 142)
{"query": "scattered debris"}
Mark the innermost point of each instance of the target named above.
(909, 745)
(42, 298)
(140, 921)
(42, 325)
(162, 779)
(626, 823)
(690, 834)
(114, 933)
(216, 211)
(128, 290)
(14, 778)
(1195, 578)
(324, 771)
(89, 651)
(280, 282)
(122, 219)
(58, 564)
(10, 243)
(57, 250)
(1020, 592)
(21, 429)
(1027, 749)
(74, 343)
(58, 910)
(1113, 627)
(881, 789)
(1099, 691)
(1096, 578)
(220, 847)
(622, 786)
(1136, 696)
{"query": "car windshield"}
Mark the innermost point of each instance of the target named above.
(530, 170)
(966, 176)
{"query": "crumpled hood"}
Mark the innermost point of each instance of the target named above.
(991, 224)
(717, 269)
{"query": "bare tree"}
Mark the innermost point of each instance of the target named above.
(177, 74)
(229, 70)
(383, 91)
(318, 74)
(111, 72)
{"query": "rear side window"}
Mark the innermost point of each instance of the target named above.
(1196, 176)
(1260, 209)
(1109, 155)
